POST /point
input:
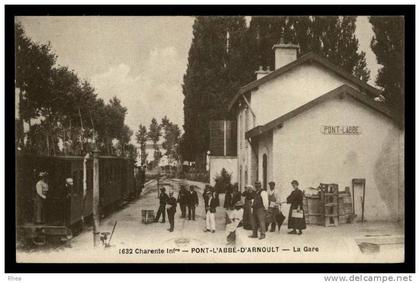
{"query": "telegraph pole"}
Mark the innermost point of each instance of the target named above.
(95, 198)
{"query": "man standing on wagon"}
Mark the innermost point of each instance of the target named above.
(40, 196)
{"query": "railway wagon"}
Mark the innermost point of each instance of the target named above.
(65, 214)
(116, 181)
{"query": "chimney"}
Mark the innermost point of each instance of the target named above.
(262, 73)
(284, 53)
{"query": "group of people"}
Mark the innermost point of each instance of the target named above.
(260, 211)
(42, 195)
(187, 199)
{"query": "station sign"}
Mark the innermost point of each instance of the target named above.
(350, 130)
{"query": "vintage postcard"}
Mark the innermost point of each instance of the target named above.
(210, 139)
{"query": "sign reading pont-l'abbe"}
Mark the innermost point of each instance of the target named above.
(349, 130)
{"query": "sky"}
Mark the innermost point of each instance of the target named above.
(141, 60)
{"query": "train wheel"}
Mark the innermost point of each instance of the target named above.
(40, 240)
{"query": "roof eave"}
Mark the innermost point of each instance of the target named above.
(342, 90)
(308, 57)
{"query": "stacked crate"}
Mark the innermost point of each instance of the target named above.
(345, 206)
(329, 207)
(147, 216)
(330, 204)
(312, 208)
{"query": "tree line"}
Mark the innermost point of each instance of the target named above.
(225, 53)
(171, 137)
(63, 113)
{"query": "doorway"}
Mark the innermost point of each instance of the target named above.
(359, 194)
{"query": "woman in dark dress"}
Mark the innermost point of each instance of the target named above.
(249, 195)
(296, 203)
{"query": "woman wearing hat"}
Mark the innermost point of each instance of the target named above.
(296, 213)
(249, 195)
(234, 218)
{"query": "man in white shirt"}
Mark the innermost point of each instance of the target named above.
(40, 196)
(274, 215)
(259, 210)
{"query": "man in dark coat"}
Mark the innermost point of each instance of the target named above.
(210, 205)
(228, 198)
(163, 197)
(259, 210)
(206, 195)
(192, 203)
(183, 200)
(171, 209)
(236, 195)
(296, 204)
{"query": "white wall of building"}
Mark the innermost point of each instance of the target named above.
(265, 146)
(246, 165)
(291, 90)
(217, 163)
(301, 151)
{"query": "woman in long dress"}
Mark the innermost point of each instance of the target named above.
(249, 195)
(296, 204)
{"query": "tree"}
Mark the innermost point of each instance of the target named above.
(65, 108)
(141, 137)
(388, 46)
(171, 135)
(34, 63)
(330, 36)
(216, 69)
(154, 134)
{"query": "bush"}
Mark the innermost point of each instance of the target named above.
(223, 181)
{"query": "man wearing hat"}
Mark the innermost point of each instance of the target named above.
(259, 210)
(206, 195)
(40, 196)
(68, 190)
(274, 215)
(163, 198)
(183, 200)
(171, 209)
(192, 203)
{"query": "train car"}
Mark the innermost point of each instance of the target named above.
(65, 213)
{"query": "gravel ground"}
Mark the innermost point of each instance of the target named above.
(136, 242)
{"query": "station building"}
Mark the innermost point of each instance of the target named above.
(311, 121)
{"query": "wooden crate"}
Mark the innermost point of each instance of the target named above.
(147, 216)
(329, 207)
